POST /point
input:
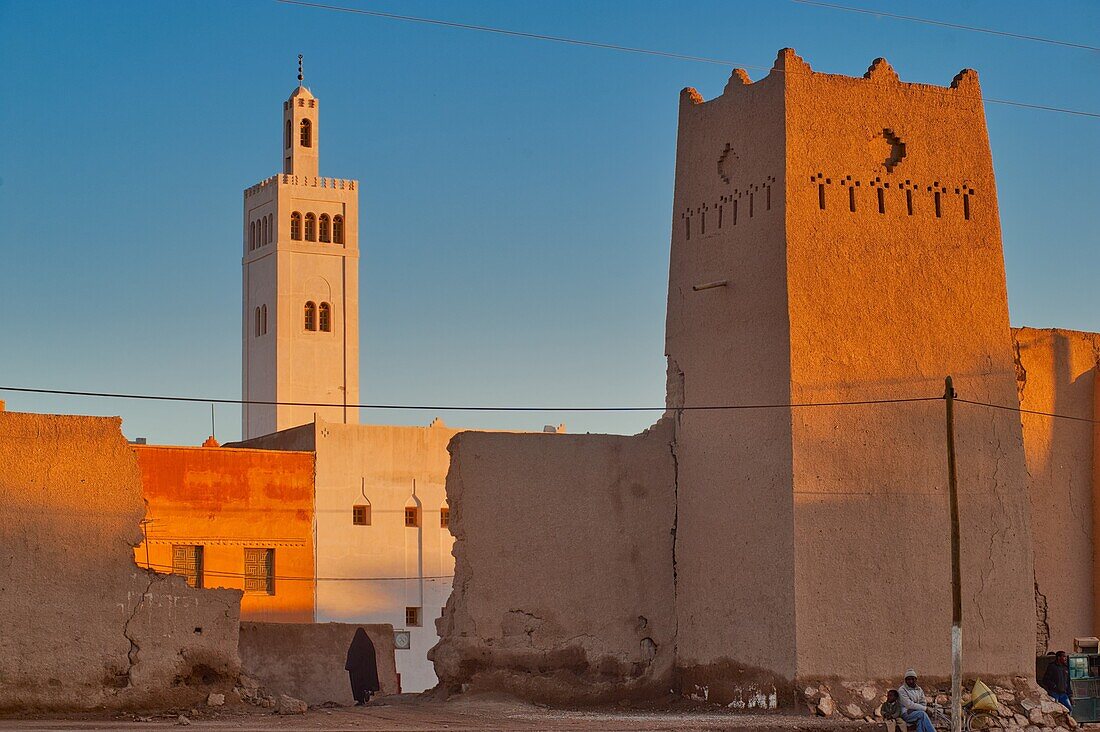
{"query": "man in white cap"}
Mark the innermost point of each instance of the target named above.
(914, 706)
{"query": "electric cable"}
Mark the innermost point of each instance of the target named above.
(1021, 410)
(476, 408)
(213, 573)
(945, 24)
(638, 50)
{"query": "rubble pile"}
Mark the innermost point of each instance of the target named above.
(1025, 707)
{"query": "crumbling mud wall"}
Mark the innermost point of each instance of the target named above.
(306, 660)
(1056, 372)
(81, 625)
(564, 566)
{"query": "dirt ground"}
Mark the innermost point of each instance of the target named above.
(411, 712)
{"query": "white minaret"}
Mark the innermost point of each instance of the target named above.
(300, 335)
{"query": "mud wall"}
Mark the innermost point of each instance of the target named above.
(891, 192)
(306, 660)
(80, 624)
(1056, 372)
(564, 567)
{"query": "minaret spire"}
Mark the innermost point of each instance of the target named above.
(300, 76)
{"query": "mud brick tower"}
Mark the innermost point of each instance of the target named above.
(837, 239)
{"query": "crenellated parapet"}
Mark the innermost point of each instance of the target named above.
(310, 181)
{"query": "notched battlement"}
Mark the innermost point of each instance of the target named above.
(787, 62)
(311, 181)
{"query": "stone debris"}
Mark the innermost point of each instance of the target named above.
(1026, 708)
(182, 720)
(290, 705)
(215, 699)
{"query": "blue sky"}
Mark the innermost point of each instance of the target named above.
(515, 194)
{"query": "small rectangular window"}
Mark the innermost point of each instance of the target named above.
(444, 517)
(412, 516)
(187, 562)
(360, 515)
(412, 617)
(259, 571)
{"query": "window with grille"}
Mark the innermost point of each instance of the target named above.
(187, 562)
(338, 229)
(360, 515)
(325, 317)
(311, 227)
(306, 136)
(311, 316)
(259, 571)
(412, 516)
(412, 617)
(323, 226)
(444, 517)
(296, 226)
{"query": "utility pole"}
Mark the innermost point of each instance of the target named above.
(956, 572)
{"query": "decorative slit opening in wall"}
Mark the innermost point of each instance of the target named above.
(702, 223)
(938, 212)
(769, 202)
(821, 196)
(881, 201)
(851, 198)
(909, 201)
(750, 204)
(966, 206)
(687, 228)
(735, 212)
(720, 216)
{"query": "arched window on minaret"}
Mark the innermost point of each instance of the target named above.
(251, 235)
(270, 228)
(326, 317)
(311, 227)
(257, 322)
(311, 316)
(306, 136)
(338, 229)
(296, 226)
(289, 131)
(323, 227)
(264, 230)
(263, 319)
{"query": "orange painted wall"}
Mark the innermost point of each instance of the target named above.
(226, 500)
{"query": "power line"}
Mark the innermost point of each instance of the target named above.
(443, 408)
(945, 24)
(505, 32)
(211, 573)
(634, 49)
(1021, 410)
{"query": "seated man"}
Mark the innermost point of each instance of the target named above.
(914, 707)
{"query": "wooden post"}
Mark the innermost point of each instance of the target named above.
(956, 572)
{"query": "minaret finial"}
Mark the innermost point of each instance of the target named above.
(300, 77)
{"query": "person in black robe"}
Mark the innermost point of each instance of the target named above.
(362, 667)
